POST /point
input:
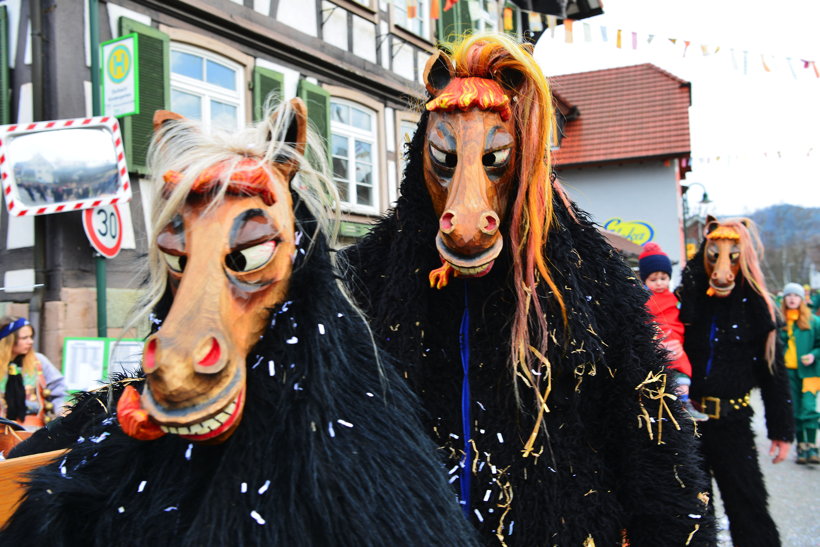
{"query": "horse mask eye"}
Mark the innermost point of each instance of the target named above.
(251, 258)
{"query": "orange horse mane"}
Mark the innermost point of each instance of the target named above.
(248, 177)
(495, 58)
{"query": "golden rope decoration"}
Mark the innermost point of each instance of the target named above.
(657, 394)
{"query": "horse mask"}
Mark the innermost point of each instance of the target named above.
(228, 254)
(469, 154)
(721, 258)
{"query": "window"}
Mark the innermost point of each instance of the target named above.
(407, 128)
(207, 87)
(412, 15)
(354, 154)
(486, 17)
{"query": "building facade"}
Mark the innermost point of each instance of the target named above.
(624, 149)
(356, 63)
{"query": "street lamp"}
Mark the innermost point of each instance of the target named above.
(695, 218)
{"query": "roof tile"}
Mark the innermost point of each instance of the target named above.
(625, 113)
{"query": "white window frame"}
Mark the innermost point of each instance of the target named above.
(402, 117)
(423, 15)
(372, 137)
(207, 91)
(487, 22)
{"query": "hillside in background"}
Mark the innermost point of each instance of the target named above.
(791, 238)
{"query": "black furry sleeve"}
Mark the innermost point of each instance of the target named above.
(88, 409)
(650, 441)
(776, 395)
(661, 482)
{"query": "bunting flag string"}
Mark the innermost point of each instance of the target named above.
(764, 155)
(535, 22)
(768, 63)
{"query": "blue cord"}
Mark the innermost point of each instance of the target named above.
(464, 347)
(712, 331)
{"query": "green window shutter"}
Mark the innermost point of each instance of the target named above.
(453, 23)
(5, 91)
(318, 105)
(265, 82)
(155, 91)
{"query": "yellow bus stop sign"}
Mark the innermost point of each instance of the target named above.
(120, 78)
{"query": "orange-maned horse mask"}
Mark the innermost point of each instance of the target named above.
(721, 258)
(228, 263)
(469, 154)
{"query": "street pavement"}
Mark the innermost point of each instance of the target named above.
(794, 492)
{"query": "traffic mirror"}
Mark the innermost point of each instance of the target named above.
(62, 165)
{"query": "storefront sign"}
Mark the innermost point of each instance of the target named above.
(636, 231)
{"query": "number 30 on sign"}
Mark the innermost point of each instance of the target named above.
(103, 227)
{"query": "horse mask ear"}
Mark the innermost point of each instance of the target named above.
(293, 134)
(711, 224)
(438, 72)
(511, 78)
(161, 117)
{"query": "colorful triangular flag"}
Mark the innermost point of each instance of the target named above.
(536, 24)
(412, 9)
(568, 30)
(552, 22)
(508, 18)
(435, 10)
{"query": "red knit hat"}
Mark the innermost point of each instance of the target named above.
(652, 260)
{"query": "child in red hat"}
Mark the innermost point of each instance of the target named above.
(656, 272)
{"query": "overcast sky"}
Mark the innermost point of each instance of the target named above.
(755, 134)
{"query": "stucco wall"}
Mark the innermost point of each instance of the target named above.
(646, 192)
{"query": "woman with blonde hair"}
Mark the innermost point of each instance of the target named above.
(801, 340)
(32, 390)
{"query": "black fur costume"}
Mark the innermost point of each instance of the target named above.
(329, 452)
(738, 365)
(597, 472)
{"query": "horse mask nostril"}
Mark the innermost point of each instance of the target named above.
(212, 357)
(447, 222)
(149, 362)
(489, 222)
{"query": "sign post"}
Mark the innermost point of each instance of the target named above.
(93, 40)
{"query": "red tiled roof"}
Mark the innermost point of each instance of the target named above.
(624, 113)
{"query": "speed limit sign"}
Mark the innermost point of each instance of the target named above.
(103, 227)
